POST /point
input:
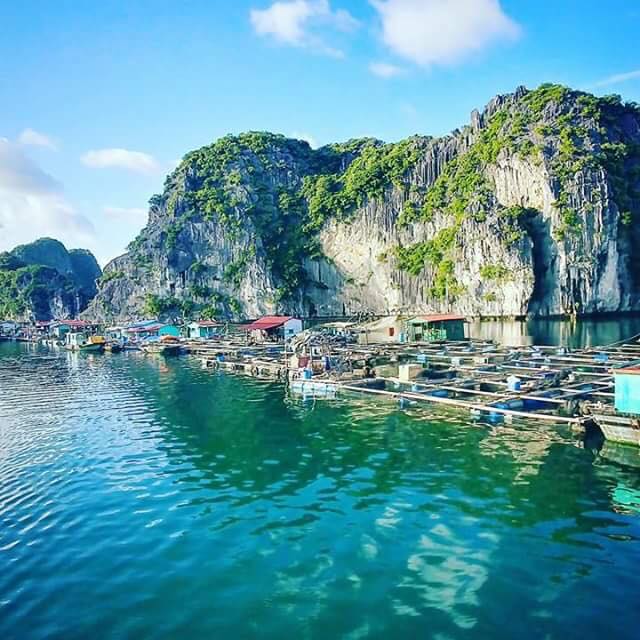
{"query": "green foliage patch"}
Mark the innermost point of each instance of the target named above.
(108, 276)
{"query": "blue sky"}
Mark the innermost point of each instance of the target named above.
(98, 100)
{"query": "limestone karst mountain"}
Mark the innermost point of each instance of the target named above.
(42, 280)
(533, 208)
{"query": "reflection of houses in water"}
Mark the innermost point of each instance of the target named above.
(625, 499)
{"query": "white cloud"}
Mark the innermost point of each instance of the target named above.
(409, 110)
(617, 78)
(385, 70)
(132, 214)
(294, 22)
(343, 20)
(299, 135)
(32, 204)
(30, 137)
(121, 159)
(429, 32)
(283, 20)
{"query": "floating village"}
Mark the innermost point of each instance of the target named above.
(421, 359)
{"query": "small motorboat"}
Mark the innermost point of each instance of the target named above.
(164, 346)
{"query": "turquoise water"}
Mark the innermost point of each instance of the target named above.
(144, 498)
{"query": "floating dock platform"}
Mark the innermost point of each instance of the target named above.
(542, 383)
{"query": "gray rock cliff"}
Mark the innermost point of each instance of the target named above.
(532, 209)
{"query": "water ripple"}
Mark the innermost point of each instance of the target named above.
(139, 494)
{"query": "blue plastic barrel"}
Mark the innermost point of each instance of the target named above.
(513, 383)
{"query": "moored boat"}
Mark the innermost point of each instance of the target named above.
(621, 423)
(617, 428)
(165, 346)
(79, 341)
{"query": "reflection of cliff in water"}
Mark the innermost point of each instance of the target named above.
(310, 508)
(363, 448)
(573, 333)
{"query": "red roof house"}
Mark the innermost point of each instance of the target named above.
(281, 326)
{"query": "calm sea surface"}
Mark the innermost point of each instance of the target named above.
(147, 498)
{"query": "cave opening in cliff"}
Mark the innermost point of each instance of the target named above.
(543, 258)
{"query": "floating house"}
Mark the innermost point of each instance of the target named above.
(152, 329)
(203, 329)
(623, 423)
(8, 328)
(60, 328)
(627, 390)
(339, 328)
(43, 328)
(388, 329)
(115, 333)
(134, 326)
(169, 330)
(274, 328)
(436, 327)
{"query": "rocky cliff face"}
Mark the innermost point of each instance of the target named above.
(533, 208)
(42, 280)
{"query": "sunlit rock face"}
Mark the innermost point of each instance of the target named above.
(532, 209)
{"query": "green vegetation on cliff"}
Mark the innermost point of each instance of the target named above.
(262, 200)
(377, 167)
(566, 129)
(246, 182)
(39, 278)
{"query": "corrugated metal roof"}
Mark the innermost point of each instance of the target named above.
(72, 323)
(438, 317)
(149, 327)
(268, 322)
(142, 323)
(628, 371)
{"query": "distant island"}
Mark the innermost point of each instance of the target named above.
(532, 209)
(42, 280)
